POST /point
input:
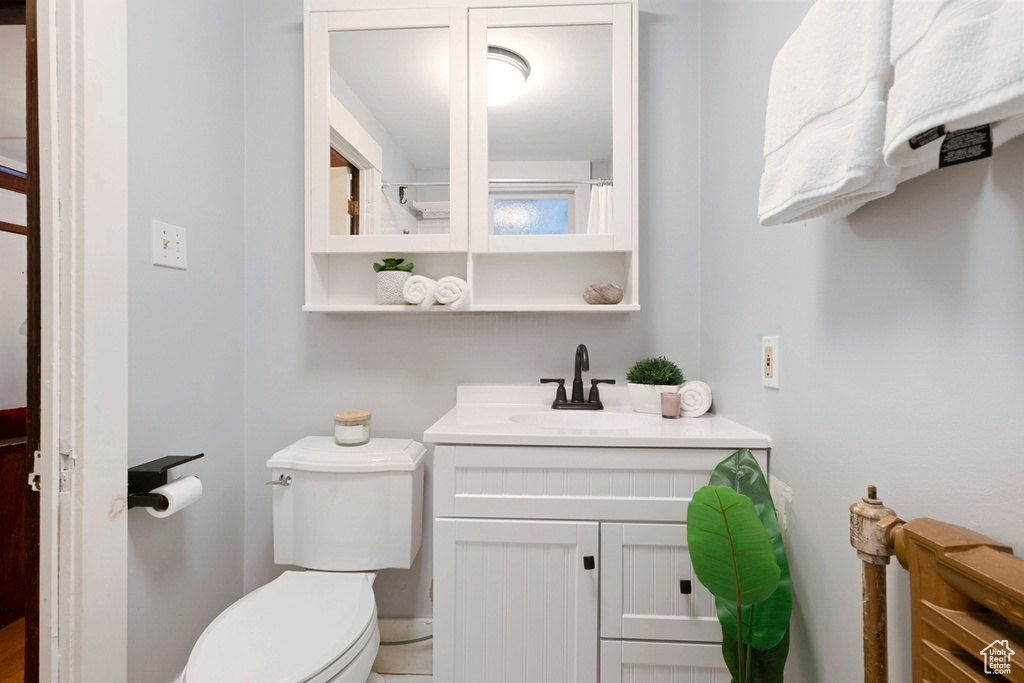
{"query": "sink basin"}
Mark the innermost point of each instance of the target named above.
(577, 420)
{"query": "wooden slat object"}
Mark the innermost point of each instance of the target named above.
(965, 591)
(973, 631)
(12, 227)
(952, 667)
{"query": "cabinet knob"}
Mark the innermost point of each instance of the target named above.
(685, 587)
(588, 562)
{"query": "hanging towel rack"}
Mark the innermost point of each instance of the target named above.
(496, 181)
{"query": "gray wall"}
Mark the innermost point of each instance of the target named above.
(186, 333)
(900, 351)
(302, 367)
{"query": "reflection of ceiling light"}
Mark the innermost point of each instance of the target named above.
(507, 72)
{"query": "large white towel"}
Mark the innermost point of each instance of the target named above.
(599, 220)
(419, 290)
(695, 398)
(958, 64)
(452, 292)
(825, 122)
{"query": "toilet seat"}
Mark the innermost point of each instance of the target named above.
(303, 627)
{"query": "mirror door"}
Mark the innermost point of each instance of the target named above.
(550, 100)
(386, 101)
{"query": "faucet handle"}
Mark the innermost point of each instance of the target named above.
(595, 397)
(560, 393)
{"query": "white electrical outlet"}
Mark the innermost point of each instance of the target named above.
(169, 246)
(770, 362)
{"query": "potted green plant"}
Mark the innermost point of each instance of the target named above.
(391, 276)
(648, 379)
(737, 553)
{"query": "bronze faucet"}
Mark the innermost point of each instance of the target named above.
(593, 401)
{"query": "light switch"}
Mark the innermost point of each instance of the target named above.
(169, 246)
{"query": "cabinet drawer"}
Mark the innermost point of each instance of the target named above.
(648, 588)
(538, 482)
(639, 662)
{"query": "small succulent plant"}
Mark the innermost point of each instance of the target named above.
(658, 370)
(393, 264)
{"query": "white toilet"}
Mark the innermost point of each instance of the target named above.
(341, 513)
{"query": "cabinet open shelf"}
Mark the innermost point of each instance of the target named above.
(537, 282)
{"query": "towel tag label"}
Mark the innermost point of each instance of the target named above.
(961, 146)
(930, 135)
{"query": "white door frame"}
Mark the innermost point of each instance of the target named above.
(84, 294)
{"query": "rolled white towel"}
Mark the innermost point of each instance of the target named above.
(419, 290)
(452, 291)
(695, 397)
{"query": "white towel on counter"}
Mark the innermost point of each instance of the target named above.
(419, 290)
(599, 220)
(452, 292)
(695, 398)
(958, 64)
(825, 122)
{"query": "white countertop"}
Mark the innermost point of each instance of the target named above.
(522, 415)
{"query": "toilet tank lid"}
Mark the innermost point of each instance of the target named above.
(323, 454)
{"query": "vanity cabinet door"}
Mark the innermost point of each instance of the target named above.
(515, 601)
(633, 662)
(649, 590)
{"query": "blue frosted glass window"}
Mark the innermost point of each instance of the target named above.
(531, 216)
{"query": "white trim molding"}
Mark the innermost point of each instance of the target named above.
(84, 242)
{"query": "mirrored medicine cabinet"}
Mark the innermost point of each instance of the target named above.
(491, 141)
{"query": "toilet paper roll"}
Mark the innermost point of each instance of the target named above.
(179, 493)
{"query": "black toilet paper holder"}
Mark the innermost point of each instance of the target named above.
(142, 479)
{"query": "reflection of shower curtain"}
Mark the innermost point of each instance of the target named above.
(599, 222)
(395, 219)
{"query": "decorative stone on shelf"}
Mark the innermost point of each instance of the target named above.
(603, 293)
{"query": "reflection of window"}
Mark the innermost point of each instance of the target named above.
(533, 214)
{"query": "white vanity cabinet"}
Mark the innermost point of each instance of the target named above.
(569, 564)
(529, 201)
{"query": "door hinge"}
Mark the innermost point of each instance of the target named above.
(34, 478)
(67, 470)
(353, 207)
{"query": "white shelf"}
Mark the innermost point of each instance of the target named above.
(442, 310)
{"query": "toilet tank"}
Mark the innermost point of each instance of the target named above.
(348, 508)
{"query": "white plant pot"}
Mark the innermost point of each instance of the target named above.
(646, 398)
(389, 286)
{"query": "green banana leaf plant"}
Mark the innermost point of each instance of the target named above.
(754, 647)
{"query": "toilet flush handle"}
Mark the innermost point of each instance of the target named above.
(283, 480)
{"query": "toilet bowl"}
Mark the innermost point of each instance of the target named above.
(303, 627)
(340, 513)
